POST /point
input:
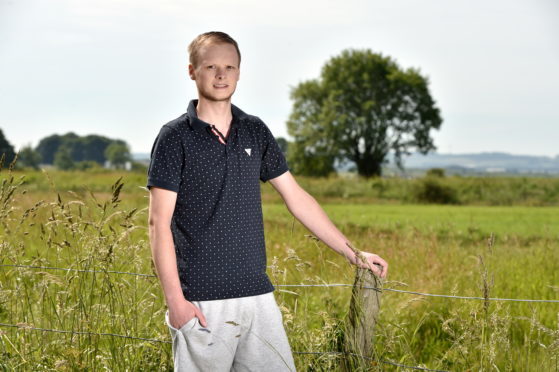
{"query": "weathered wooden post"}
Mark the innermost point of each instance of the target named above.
(361, 320)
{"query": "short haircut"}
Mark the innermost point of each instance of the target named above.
(212, 37)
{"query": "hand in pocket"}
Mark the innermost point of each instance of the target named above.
(183, 312)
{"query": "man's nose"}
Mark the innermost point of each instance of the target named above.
(220, 73)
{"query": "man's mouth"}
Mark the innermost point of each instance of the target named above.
(220, 86)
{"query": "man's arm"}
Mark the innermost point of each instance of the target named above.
(307, 210)
(161, 207)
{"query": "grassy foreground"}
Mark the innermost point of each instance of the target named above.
(53, 221)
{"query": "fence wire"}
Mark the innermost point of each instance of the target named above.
(77, 270)
(384, 361)
(299, 285)
(417, 293)
(20, 326)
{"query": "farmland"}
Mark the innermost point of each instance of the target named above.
(492, 238)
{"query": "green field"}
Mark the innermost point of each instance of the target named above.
(53, 220)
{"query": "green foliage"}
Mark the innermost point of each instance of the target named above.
(435, 172)
(6, 148)
(362, 106)
(431, 190)
(27, 157)
(63, 159)
(283, 144)
(48, 146)
(139, 167)
(86, 165)
(303, 161)
(462, 190)
(118, 154)
(87, 148)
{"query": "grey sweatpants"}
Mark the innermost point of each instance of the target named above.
(243, 334)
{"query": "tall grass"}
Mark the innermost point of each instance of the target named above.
(56, 220)
(83, 233)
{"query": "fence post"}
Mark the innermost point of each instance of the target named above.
(361, 320)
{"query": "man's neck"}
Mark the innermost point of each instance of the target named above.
(216, 113)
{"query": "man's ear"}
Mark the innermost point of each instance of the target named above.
(191, 71)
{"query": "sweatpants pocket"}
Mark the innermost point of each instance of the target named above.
(184, 328)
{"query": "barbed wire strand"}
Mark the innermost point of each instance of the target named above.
(82, 332)
(417, 293)
(27, 327)
(301, 285)
(78, 270)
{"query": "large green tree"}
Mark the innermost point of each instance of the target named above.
(362, 107)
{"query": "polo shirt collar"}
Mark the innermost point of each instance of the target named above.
(202, 126)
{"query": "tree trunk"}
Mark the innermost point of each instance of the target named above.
(369, 166)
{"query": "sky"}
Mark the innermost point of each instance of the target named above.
(119, 67)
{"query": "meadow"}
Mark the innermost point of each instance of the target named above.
(491, 238)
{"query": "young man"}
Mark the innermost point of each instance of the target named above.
(206, 229)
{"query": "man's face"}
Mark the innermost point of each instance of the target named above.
(217, 72)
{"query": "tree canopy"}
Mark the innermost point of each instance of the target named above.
(118, 154)
(63, 159)
(28, 157)
(362, 107)
(6, 149)
(78, 148)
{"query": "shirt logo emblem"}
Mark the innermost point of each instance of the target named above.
(248, 151)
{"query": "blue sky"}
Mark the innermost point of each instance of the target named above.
(118, 67)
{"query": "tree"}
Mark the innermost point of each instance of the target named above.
(309, 162)
(48, 146)
(28, 157)
(90, 147)
(63, 159)
(283, 144)
(6, 149)
(94, 147)
(118, 154)
(362, 107)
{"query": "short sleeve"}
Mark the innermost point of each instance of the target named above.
(273, 161)
(166, 163)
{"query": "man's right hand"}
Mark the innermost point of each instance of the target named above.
(184, 311)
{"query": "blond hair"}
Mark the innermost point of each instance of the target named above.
(212, 37)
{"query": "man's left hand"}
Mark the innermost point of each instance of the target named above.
(373, 259)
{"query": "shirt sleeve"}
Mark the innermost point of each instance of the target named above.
(273, 161)
(166, 163)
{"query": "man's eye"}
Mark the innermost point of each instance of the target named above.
(230, 67)
(211, 67)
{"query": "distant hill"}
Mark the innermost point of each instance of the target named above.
(489, 162)
(140, 156)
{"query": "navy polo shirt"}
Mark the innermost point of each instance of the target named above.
(217, 223)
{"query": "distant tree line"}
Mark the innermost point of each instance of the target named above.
(69, 151)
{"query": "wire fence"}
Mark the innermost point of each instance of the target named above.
(384, 361)
(298, 285)
(28, 327)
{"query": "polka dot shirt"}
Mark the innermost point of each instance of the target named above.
(217, 223)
